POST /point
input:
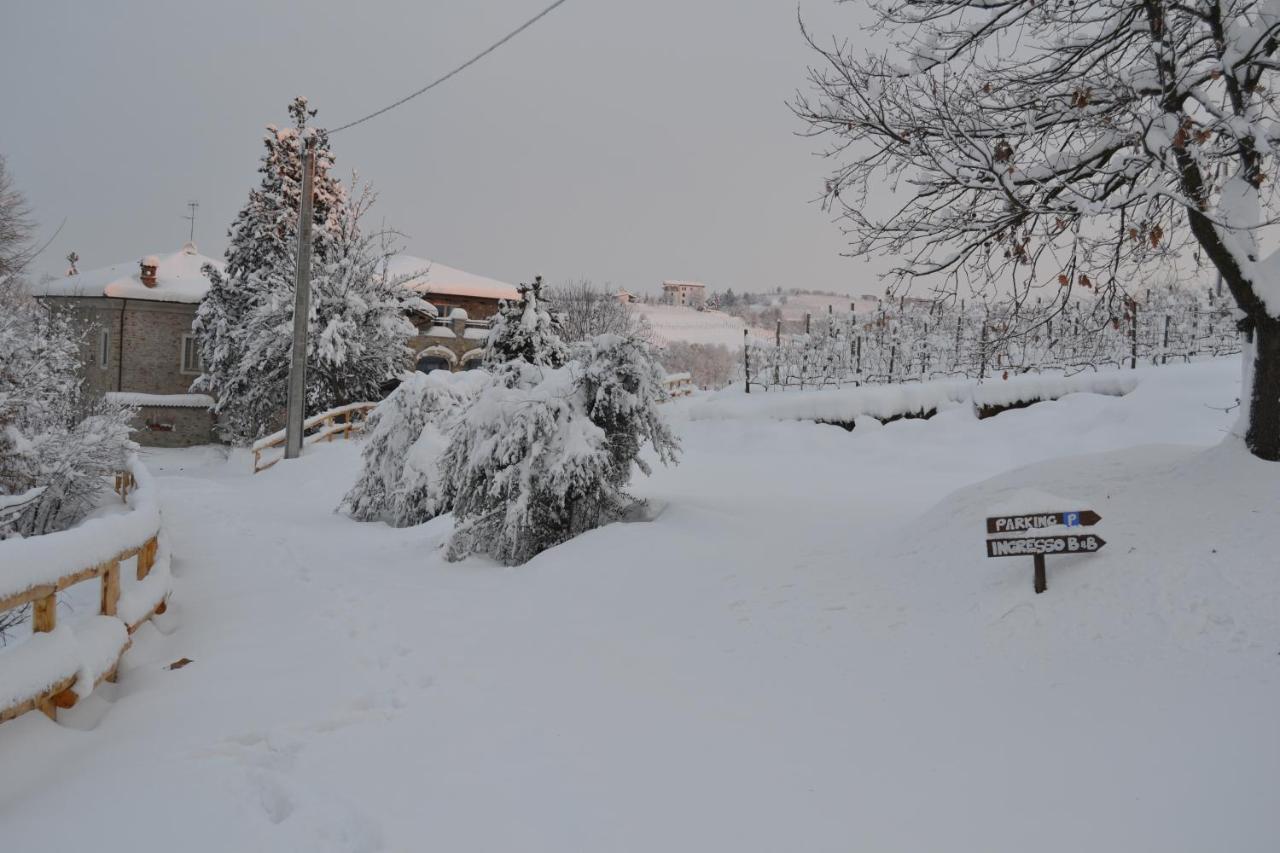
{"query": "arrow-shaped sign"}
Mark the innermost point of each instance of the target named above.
(1040, 546)
(1035, 520)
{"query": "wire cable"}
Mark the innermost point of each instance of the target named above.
(464, 66)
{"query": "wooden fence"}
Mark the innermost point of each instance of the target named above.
(344, 421)
(44, 604)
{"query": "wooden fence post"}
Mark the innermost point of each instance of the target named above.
(110, 588)
(44, 618)
(746, 362)
(147, 558)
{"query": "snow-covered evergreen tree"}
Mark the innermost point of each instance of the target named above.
(526, 331)
(357, 327)
(623, 386)
(261, 256)
(57, 444)
(545, 453)
(529, 467)
(406, 435)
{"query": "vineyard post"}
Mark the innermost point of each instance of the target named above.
(777, 351)
(982, 352)
(746, 362)
(1133, 334)
(1164, 347)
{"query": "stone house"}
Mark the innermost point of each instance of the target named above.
(465, 303)
(692, 294)
(139, 346)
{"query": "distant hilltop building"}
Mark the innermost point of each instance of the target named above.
(689, 293)
(140, 348)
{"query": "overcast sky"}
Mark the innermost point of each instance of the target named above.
(625, 141)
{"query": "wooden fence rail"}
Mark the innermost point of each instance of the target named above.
(44, 603)
(344, 421)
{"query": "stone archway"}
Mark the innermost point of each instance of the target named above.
(435, 358)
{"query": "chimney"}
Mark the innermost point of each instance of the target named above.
(148, 266)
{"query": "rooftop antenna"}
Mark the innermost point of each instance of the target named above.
(193, 206)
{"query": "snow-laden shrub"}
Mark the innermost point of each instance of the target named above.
(545, 454)
(57, 444)
(406, 435)
(623, 386)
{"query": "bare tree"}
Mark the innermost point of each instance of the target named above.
(587, 310)
(16, 227)
(1061, 144)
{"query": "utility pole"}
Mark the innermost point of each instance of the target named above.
(301, 308)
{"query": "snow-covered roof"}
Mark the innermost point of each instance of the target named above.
(178, 279)
(432, 278)
(672, 282)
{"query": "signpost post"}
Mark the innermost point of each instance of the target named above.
(1038, 547)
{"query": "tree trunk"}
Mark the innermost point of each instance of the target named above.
(1263, 434)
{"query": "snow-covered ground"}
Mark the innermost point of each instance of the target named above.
(807, 650)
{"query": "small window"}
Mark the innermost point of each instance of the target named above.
(191, 355)
(104, 348)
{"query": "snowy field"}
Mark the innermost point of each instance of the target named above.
(806, 650)
(677, 323)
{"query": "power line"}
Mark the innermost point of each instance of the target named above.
(464, 66)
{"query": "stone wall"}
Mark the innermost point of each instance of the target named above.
(456, 343)
(150, 360)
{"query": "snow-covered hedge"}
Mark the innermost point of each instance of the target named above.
(89, 647)
(884, 402)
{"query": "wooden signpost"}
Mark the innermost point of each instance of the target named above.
(1037, 547)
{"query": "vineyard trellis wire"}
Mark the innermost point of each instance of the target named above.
(914, 340)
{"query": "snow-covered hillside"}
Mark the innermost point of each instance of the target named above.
(677, 323)
(806, 650)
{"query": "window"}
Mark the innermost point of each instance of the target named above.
(104, 348)
(191, 355)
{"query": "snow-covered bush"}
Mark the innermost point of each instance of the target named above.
(529, 468)
(546, 453)
(623, 385)
(406, 435)
(57, 444)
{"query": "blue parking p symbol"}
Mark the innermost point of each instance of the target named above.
(1071, 519)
